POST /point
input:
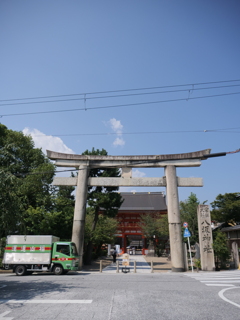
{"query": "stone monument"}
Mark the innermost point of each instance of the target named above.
(205, 238)
(235, 254)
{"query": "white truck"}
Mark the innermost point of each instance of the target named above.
(28, 254)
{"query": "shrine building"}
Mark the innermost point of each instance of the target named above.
(129, 216)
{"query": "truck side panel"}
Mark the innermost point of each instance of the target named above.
(27, 254)
(27, 258)
(29, 249)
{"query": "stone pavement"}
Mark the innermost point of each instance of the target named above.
(141, 265)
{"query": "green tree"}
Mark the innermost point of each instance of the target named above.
(17, 153)
(10, 204)
(101, 198)
(25, 177)
(64, 204)
(188, 212)
(104, 232)
(41, 221)
(155, 229)
(221, 250)
(57, 220)
(154, 226)
(36, 188)
(226, 207)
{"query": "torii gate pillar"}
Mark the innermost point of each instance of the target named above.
(80, 211)
(174, 222)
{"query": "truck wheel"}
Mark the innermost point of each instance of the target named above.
(58, 270)
(20, 270)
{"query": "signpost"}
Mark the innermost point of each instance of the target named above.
(187, 234)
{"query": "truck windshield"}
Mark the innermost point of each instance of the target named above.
(74, 249)
(63, 248)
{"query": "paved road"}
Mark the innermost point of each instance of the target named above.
(228, 281)
(108, 296)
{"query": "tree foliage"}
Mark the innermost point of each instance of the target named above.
(221, 250)
(154, 226)
(226, 207)
(41, 221)
(25, 177)
(17, 153)
(188, 212)
(64, 203)
(155, 229)
(104, 231)
(10, 204)
(29, 204)
(101, 199)
(57, 221)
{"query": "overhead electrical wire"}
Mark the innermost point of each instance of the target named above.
(127, 90)
(85, 97)
(116, 96)
(118, 106)
(143, 132)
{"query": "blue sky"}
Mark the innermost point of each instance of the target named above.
(53, 48)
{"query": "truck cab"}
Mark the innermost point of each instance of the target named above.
(64, 257)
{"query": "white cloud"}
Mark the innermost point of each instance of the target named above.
(116, 125)
(117, 128)
(138, 174)
(45, 142)
(119, 142)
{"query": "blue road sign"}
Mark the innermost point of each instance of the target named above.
(186, 233)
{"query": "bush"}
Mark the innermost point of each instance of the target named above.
(221, 250)
(94, 255)
(197, 264)
(103, 253)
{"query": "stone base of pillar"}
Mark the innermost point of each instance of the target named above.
(178, 269)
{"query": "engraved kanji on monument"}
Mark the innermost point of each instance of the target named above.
(205, 238)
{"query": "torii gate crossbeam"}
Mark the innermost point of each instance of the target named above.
(85, 162)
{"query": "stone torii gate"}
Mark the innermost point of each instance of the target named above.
(170, 162)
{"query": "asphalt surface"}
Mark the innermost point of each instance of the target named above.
(115, 296)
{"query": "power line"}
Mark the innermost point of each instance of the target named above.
(144, 132)
(122, 90)
(85, 98)
(119, 106)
